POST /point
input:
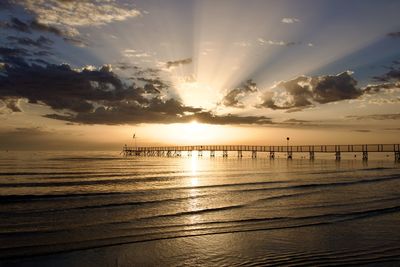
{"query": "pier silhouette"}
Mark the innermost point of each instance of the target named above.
(337, 150)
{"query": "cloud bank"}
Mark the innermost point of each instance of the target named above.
(305, 91)
(70, 14)
(99, 96)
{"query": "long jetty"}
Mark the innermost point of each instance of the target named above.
(176, 151)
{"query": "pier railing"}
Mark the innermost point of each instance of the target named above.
(289, 150)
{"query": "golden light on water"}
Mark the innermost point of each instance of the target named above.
(193, 166)
(194, 181)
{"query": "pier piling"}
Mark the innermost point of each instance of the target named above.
(338, 150)
(272, 155)
(365, 156)
(397, 156)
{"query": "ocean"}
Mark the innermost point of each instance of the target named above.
(102, 209)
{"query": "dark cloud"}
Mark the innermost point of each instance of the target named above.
(296, 121)
(333, 88)
(76, 41)
(312, 124)
(208, 117)
(65, 34)
(42, 53)
(176, 63)
(41, 42)
(232, 98)
(38, 26)
(16, 24)
(61, 87)
(7, 52)
(99, 96)
(303, 92)
(5, 5)
(394, 34)
(170, 107)
(392, 75)
(377, 88)
(135, 115)
(29, 26)
(147, 72)
(75, 13)
(362, 131)
(292, 110)
(126, 66)
(395, 116)
(64, 17)
(12, 60)
(387, 81)
(153, 85)
(381, 79)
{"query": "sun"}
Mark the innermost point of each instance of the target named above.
(194, 126)
(191, 133)
(194, 130)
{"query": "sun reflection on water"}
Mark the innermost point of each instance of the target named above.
(194, 181)
(193, 203)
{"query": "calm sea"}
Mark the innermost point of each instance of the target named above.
(101, 209)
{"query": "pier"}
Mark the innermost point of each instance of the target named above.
(337, 150)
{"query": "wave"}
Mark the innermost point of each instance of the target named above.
(42, 173)
(336, 184)
(91, 207)
(217, 186)
(85, 158)
(40, 197)
(125, 181)
(39, 250)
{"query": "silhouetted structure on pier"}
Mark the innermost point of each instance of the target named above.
(176, 151)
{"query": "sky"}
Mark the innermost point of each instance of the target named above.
(89, 74)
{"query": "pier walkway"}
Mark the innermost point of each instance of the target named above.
(176, 151)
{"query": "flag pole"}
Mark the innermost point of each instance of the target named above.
(134, 138)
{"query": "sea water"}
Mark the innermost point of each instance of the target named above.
(103, 209)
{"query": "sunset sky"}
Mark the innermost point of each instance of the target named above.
(89, 74)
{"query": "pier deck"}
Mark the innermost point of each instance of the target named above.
(170, 151)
